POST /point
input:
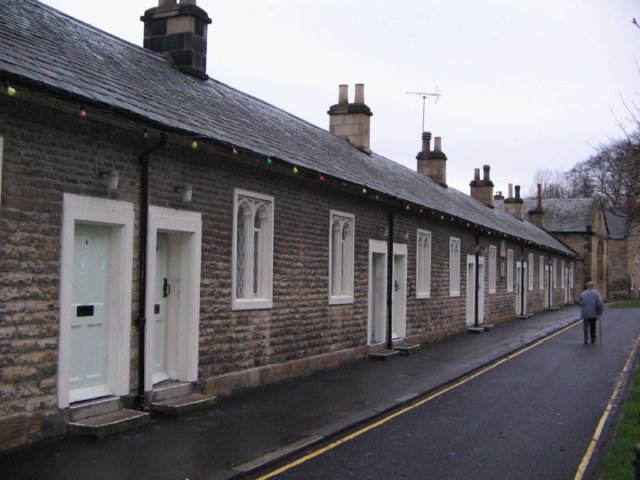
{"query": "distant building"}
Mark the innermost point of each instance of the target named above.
(624, 255)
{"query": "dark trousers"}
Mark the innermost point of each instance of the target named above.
(589, 329)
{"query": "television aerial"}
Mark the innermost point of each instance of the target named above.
(425, 96)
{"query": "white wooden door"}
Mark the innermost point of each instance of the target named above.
(399, 294)
(160, 309)
(377, 297)
(521, 288)
(90, 312)
(471, 290)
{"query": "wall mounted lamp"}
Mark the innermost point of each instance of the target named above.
(186, 190)
(111, 179)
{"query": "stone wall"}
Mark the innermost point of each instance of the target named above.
(49, 150)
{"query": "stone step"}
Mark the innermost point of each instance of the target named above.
(382, 354)
(185, 405)
(169, 390)
(407, 350)
(110, 423)
(91, 408)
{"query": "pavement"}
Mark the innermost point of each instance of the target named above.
(255, 428)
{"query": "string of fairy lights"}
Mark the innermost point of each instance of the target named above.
(274, 162)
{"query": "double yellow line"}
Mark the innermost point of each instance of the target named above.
(412, 406)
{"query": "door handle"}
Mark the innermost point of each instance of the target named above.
(166, 288)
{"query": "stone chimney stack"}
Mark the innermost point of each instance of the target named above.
(536, 215)
(514, 205)
(179, 31)
(482, 190)
(351, 120)
(432, 164)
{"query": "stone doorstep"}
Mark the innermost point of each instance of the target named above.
(406, 350)
(483, 327)
(382, 354)
(552, 309)
(169, 390)
(91, 408)
(523, 317)
(184, 405)
(110, 423)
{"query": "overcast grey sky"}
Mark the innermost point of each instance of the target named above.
(526, 84)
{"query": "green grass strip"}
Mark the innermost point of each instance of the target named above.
(618, 461)
(627, 304)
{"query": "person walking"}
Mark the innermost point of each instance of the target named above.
(591, 305)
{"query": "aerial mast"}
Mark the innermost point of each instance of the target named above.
(425, 96)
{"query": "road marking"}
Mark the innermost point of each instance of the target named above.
(412, 406)
(582, 468)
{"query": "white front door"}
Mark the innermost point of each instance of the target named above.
(162, 291)
(90, 312)
(377, 292)
(471, 290)
(399, 292)
(521, 288)
(548, 286)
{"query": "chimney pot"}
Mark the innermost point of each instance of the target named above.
(510, 190)
(539, 195)
(486, 169)
(359, 98)
(426, 142)
(518, 192)
(188, 2)
(437, 144)
(476, 174)
(163, 3)
(343, 94)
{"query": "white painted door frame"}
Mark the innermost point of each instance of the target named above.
(377, 294)
(184, 230)
(118, 216)
(399, 292)
(471, 290)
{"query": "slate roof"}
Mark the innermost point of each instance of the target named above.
(617, 223)
(563, 215)
(41, 45)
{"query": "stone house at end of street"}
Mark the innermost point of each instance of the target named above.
(624, 255)
(165, 236)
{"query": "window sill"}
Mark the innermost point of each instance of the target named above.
(423, 295)
(342, 300)
(244, 304)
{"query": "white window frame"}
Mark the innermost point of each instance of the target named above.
(531, 270)
(454, 266)
(262, 297)
(542, 263)
(341, 258)
(493, 268)
(562, 277)
(555, 273)
(510, 271)
(423, 264)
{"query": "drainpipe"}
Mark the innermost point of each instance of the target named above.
(390, 285)
(142, 290)
(477, 289)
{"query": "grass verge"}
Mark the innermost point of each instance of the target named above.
(617, 463)
(626, 304)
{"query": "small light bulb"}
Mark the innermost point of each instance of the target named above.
(11, 91)
(83, 113)
(321, 178)
(295, 170)
(194, 144)
(269, 161)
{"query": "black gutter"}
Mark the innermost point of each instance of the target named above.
(142, 289)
